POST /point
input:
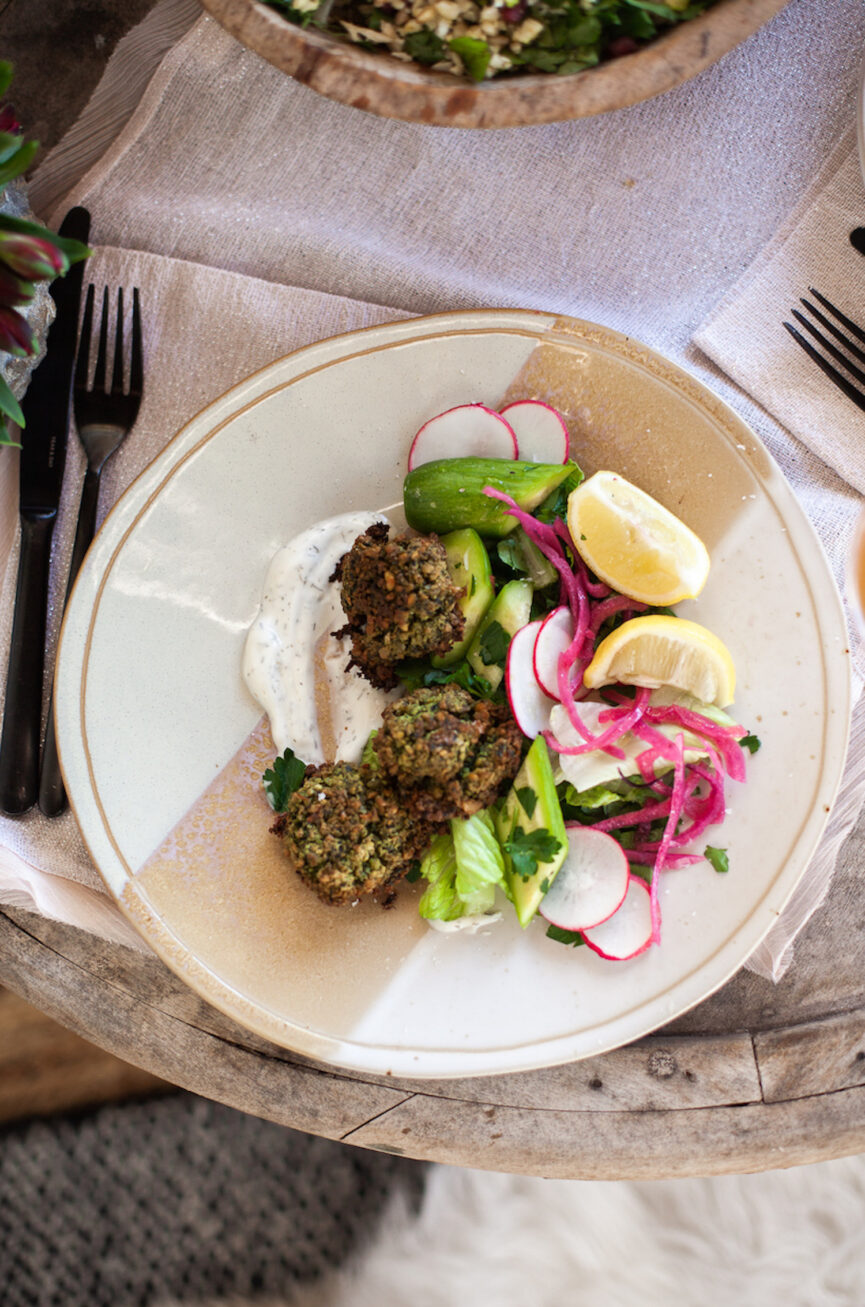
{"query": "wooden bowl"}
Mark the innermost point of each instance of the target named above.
(390, 88)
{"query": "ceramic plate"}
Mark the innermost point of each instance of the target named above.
(162, 748)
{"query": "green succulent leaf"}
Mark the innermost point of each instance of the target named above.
(10, 407)
(18, 162)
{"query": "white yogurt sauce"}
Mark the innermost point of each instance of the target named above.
(291, 662)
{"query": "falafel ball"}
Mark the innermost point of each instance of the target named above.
(448, 753)
(400, 602)
(347, 834)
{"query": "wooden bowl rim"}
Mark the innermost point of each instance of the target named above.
(390, 88)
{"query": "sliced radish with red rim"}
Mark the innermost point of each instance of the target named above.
(542, 436)
(628, 932)
(591, 883)
(529, 704)
(467, 431)
(554, 637)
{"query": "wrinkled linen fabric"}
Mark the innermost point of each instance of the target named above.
(643, 219)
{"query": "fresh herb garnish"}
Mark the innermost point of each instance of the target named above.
(474, 54)
(416, 674)
(282, 779)
(425, 47)
(528, 799)
(493, 646)
(572, 937)
(750, 742)
(717, 858)
(527, 849)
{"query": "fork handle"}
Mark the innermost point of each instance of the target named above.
(52, 794)
(22, 715)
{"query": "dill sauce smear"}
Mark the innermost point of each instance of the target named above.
(292, 665)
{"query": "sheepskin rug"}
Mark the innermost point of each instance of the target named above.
(791, 1238)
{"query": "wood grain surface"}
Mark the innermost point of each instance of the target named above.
(752, 1079)
(44, 1068)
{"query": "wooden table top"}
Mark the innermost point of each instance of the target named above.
(758, 1076)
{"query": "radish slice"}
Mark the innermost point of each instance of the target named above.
(529, 705)
(628, 932)
(554, 638)
(468, 431)
(591, 883)
(542, 436)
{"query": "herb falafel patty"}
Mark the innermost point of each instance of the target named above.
(400, 602)
(448, 753)
(347, 834)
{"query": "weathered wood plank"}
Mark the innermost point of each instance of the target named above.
(46, 1068)
(816, 1057)
(655, 1074)
(140, 974)
(621, 1145)
(304, 1098)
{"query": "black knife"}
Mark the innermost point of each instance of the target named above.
(43, 454)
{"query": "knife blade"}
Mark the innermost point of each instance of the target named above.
(43, 455)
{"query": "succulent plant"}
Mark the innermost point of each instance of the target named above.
(29, 253)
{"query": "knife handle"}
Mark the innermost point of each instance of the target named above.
(22, 715)
(52, 795)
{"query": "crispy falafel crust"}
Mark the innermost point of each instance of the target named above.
(399, 600)
(449, 754)
(347, 834)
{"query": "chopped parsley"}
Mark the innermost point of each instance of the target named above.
(717, 858)
(528, 799)
(572, 937)
(493, 647)
(282, 779)
(527, 849)
(750, 742)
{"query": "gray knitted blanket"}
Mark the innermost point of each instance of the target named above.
(180, 1198)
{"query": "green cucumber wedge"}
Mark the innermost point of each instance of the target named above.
(469, 568)
(449, 493)
(511, 609)
(530, 821)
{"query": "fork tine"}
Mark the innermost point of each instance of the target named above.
(846, 322)
(136, 369)
(839, 335)
(840, 380)
(82, 367)
(102, 351)
(117, 371)
(830, 348)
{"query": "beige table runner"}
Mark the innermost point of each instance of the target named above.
(641, 219)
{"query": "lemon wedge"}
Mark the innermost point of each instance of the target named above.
(634, 544)
(658, 650)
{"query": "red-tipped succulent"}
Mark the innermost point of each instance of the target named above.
(29, 253)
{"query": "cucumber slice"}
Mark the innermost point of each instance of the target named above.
(531, 804)
(511, 609)
(520, 552)
(447, 494)
(469, 568)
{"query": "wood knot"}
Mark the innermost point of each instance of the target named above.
(662, 1065)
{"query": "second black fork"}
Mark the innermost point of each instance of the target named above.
(104, 418)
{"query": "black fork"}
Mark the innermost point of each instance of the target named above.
(847, 374)
(104, 417)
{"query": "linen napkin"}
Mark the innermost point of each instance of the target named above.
(203, 330)
(745, 338)
(744, 335)
(640, 219)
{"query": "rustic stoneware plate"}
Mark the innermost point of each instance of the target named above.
(385, 86)
(163, 749)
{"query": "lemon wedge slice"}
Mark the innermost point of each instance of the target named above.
(658, 650)
(634, 544)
